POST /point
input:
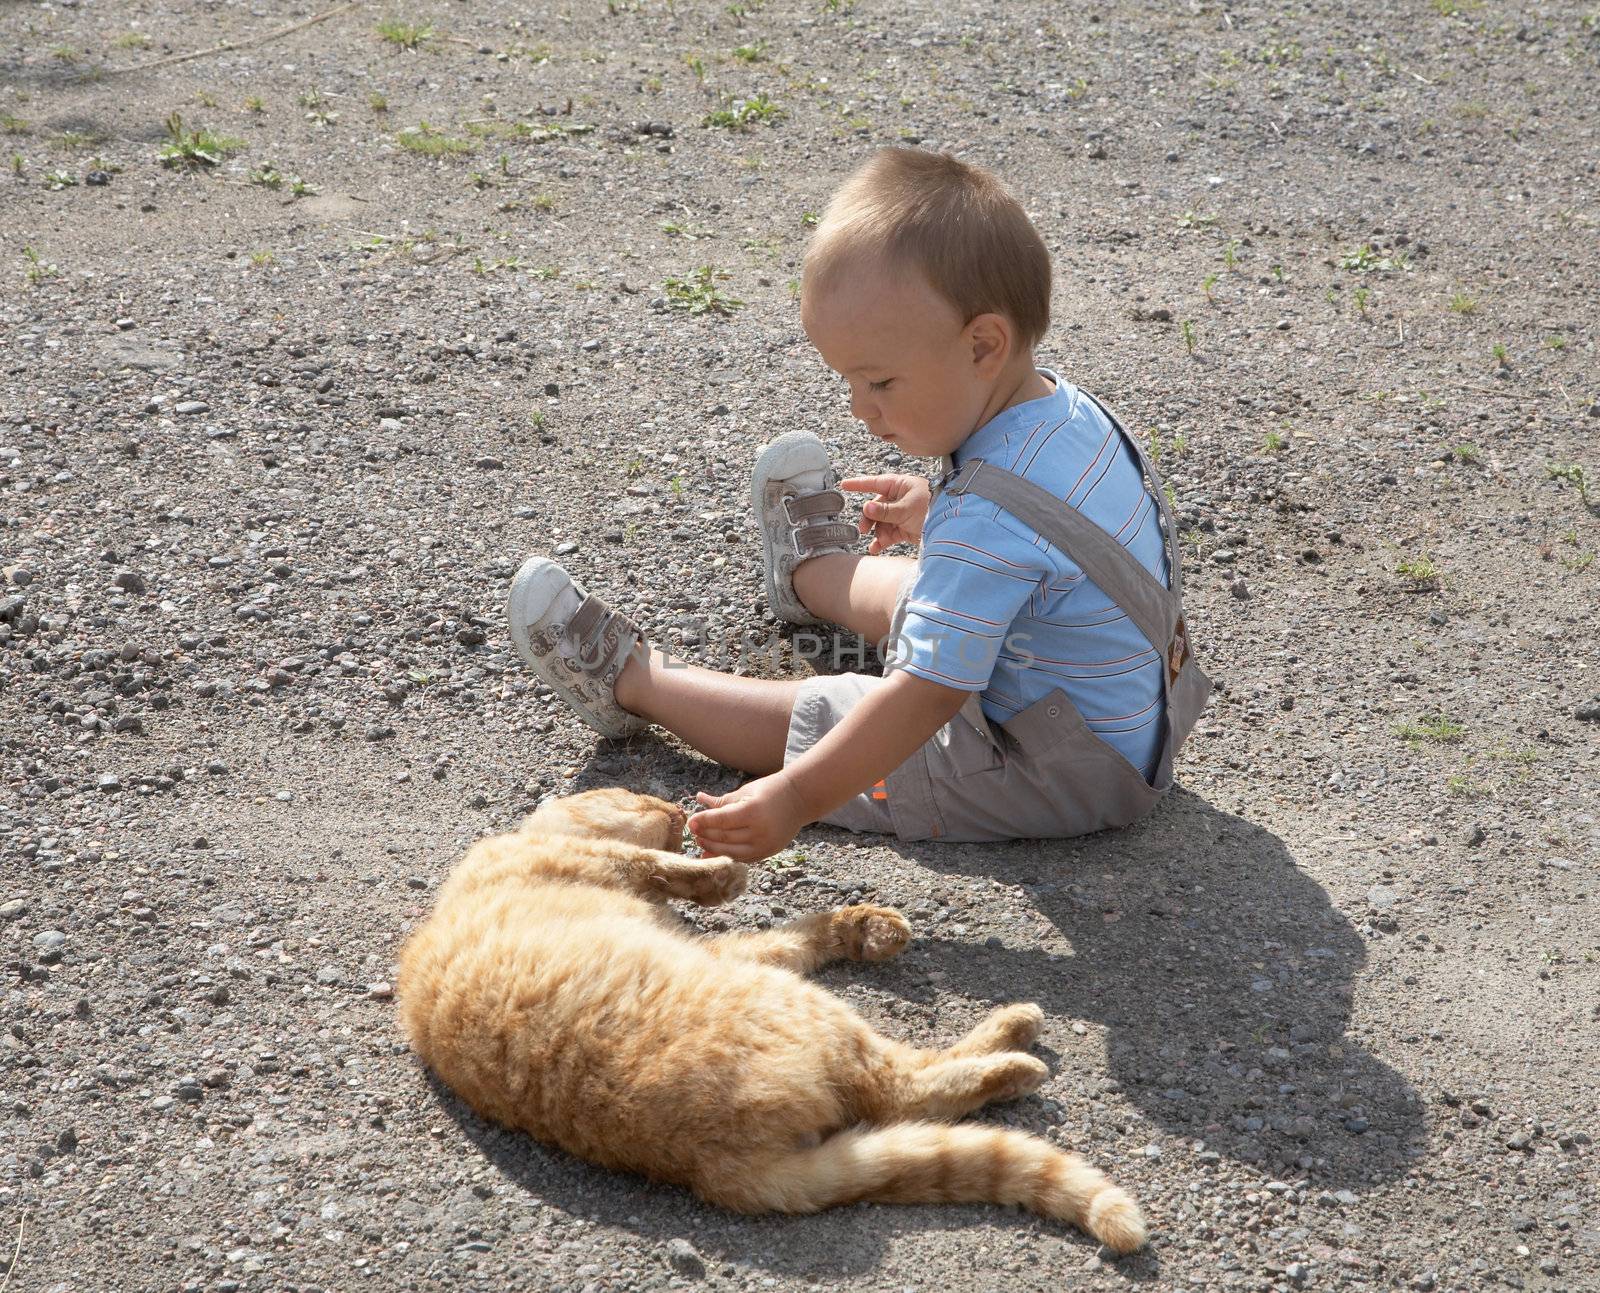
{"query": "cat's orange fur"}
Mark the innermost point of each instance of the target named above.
(555, 991)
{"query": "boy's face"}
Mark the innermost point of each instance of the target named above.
(916, 378)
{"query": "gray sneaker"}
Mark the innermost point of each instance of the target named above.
(575, 642)
(798, 511)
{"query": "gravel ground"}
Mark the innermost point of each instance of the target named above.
(268, 456)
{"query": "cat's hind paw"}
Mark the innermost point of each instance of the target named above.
(871, 933)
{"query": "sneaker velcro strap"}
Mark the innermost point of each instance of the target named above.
(838, 537)
(587, 618)
(606, 651)
(825, 502)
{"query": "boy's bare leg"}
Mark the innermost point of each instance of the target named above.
(743, 723)
(852, 590)
(740, 723)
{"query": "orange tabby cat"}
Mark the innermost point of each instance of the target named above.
(555, 991)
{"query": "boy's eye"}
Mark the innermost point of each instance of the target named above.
(880, 386)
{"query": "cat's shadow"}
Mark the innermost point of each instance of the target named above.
(840, 1242)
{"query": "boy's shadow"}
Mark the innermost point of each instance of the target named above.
(1223, 975)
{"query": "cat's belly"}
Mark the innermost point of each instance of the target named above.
(621, 1042)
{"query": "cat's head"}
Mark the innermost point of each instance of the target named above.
(612, 814)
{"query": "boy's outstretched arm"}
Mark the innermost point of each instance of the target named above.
(884, 730)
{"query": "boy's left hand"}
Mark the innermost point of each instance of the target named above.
(750, 823)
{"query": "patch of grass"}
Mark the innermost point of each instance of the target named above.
(406, 35)
(255, 105)
(1573, 474)
(1468, 452)
(77, 140)
(1195, 220)
(754, 52)
(741, 114)
(132, 40)
(195, 148)
(426, 141)
(1230, 252)
(1365, 260)
(14, 125)
(317, 107)
(1273, 442)
(261, 258)
(1556, 342)
(270, 177)
(1361, 295)
(1461, 303)
(688, 232)
(1436, 727)
(1161, 446)
(55, 181)
(377, 102)
(65, 54)
(1188, 335)
(206, 99)
(38, 269)
(698, 293)
(1501, 356)
(1207, 285)
(1420, 570)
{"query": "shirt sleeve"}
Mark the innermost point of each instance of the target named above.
(975, 576)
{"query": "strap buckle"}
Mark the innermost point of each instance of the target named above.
(957, 479)
(1178, 652)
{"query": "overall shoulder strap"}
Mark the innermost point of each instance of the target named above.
(1159, 489)
(1113, 569)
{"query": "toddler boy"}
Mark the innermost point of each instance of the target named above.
(1039, 679)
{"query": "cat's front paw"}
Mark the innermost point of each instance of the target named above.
(871, 933)
(709, 882)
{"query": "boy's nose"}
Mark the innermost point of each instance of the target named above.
(863, 409)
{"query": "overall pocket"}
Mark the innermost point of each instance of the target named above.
(1082, 780)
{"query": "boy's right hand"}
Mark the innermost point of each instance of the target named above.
(897, 514)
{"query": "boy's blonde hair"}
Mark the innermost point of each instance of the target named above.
(954, 222)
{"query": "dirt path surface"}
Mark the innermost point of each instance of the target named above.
(276, 429)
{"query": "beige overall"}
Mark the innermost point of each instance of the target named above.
(1042, 774)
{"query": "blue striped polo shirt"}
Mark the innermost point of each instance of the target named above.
(997, 609)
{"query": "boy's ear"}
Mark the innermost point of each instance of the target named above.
(992, 339)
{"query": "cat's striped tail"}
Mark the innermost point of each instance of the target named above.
(930, 1162)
